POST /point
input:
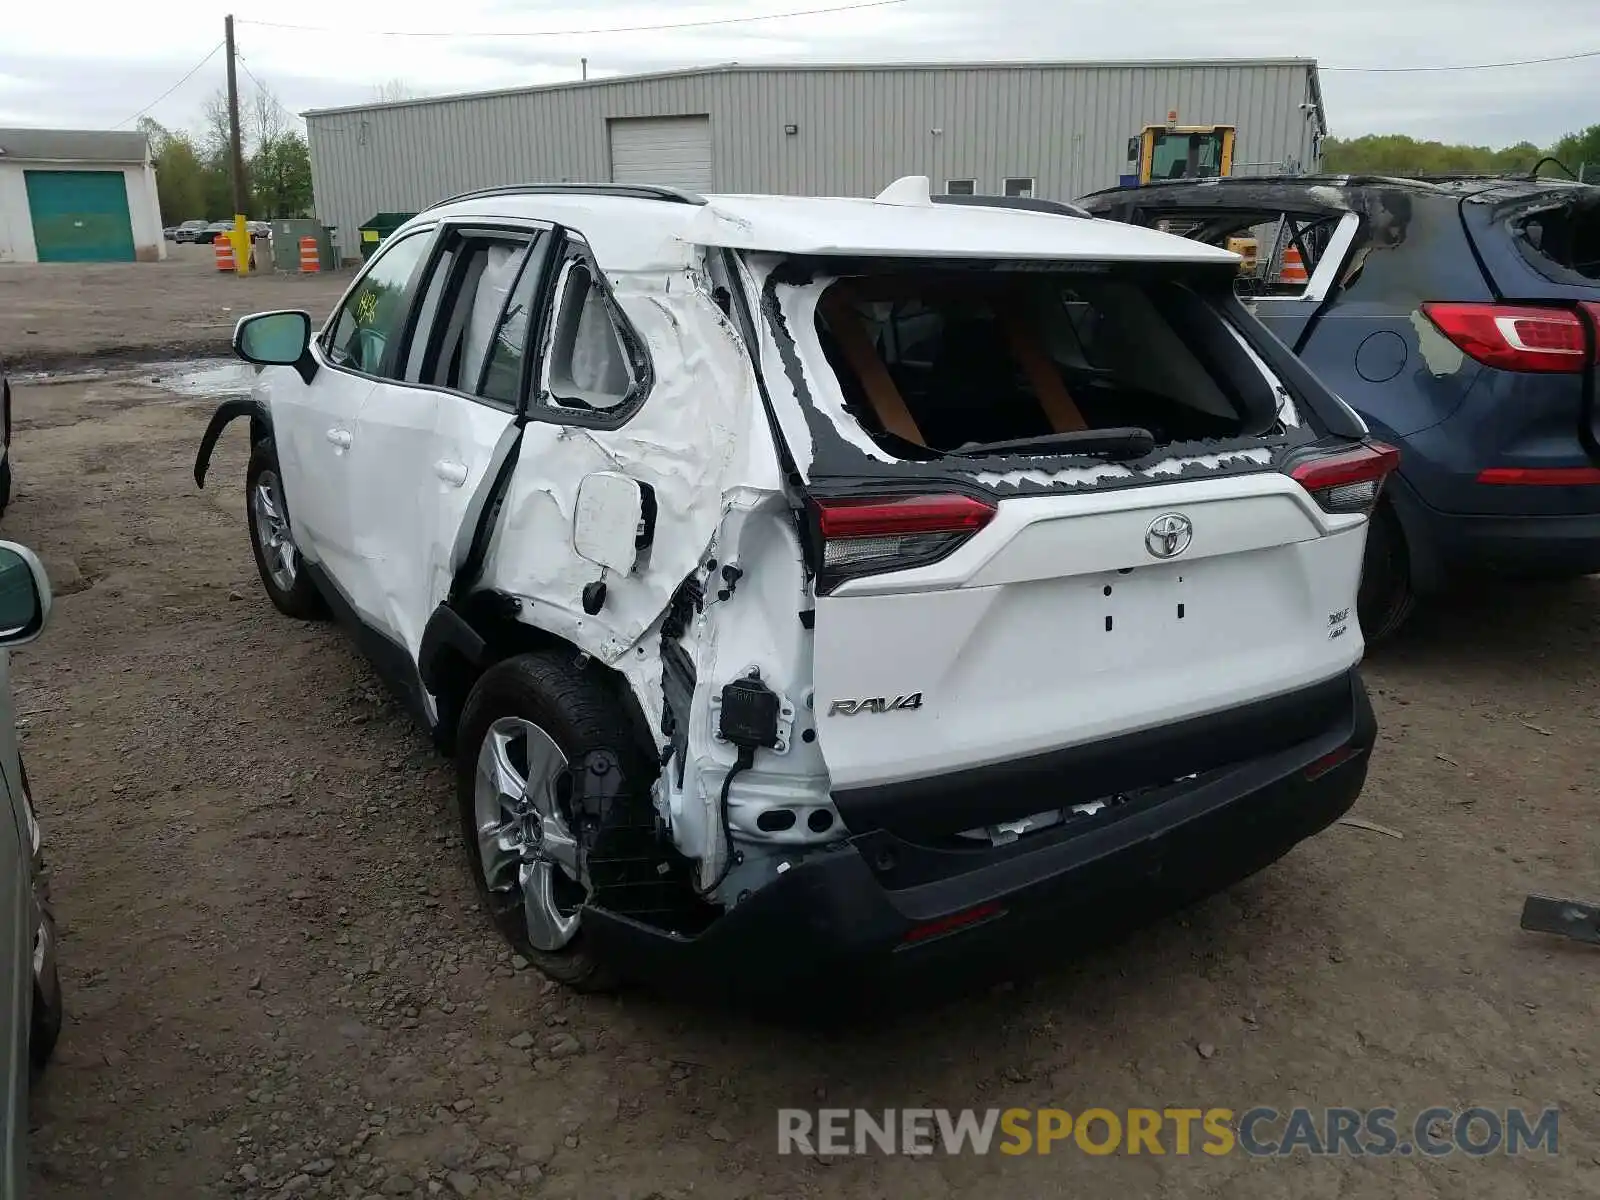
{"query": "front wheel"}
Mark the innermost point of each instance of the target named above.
(524, 721)
(277, 558)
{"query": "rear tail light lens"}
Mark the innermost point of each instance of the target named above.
(1516, 337)
(867, 535)
(1348, 481)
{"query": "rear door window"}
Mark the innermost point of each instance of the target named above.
(473, 320)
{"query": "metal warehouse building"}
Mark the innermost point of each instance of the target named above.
(77, 195)
(1055, 129)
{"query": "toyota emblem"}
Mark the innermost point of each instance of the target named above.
(1169, 535)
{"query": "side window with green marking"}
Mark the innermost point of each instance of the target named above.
(374, 314)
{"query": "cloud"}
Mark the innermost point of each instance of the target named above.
(123, 58)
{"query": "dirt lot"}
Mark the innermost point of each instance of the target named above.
(279, 983)
(54, 314)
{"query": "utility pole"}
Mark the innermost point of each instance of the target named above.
(241, 236)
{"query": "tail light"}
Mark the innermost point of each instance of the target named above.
(1347, 481)
(867, 535)
(1517, 337)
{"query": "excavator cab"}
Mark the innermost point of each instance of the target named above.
(1179, 152)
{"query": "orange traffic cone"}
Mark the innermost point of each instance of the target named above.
(224, 250)
(309, 260)
(1293, 270)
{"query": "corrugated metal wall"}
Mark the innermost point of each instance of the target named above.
(858, 129)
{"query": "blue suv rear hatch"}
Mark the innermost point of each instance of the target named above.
(1532, 412)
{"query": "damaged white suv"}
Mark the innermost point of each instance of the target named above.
(802, 583)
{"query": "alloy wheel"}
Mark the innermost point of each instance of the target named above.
(526, 847)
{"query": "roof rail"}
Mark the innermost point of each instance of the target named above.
(630, 191)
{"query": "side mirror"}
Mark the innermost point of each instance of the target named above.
(24, 595)
(607, 522)
(276, 339)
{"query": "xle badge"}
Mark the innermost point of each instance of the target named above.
(875, 704)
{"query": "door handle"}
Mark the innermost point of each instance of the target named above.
(453, 473)
(340, 438)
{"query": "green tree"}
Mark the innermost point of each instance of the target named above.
(1397, 154)
(280, 171)
(1581, 149)
(180, 180)
(180, 186)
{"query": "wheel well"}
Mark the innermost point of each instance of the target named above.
(504, 637)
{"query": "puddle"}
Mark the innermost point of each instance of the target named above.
(203, 377)
(184, 377)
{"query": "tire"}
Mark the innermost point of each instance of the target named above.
(579, 712)
(288, 587)
(44, 1029)
(5, 484)
(1386, 597)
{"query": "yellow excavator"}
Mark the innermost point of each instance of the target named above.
(1174, 151)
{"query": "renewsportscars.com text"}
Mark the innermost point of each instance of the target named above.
(1259, 1132)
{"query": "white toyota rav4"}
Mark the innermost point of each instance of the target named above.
(815, 583)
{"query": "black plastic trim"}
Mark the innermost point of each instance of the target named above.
(831, 924)
(226, 412)
(447, 629)
(389, 658)
(941, 805)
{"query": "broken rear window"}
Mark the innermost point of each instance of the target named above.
(936, 362)
(1566, 239)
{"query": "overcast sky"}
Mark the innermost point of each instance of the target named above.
(100, 63)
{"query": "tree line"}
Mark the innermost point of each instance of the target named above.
(194, 178)
(1397, 154)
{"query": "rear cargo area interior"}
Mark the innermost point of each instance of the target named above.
(940, 361)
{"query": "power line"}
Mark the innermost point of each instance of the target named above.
(256, 79)
(170, 90)
(550, 33)
(1490, 66)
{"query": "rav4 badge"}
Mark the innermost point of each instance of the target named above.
(875, 704)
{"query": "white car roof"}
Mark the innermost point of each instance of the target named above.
(633, 233)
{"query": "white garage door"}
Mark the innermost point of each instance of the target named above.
(672, 151)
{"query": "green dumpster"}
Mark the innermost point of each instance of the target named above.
(379, 227)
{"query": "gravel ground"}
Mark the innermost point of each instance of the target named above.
(76, 314)
(279, 983)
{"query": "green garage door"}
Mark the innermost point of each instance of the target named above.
(80, 216)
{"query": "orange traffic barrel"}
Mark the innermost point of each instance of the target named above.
(309, 259)
(224, 251)
(1294, 267)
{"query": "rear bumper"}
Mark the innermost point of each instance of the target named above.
(862, 909)
(1446, 545)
